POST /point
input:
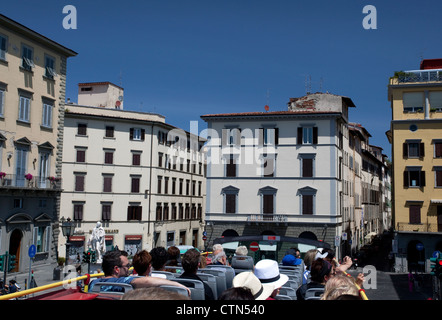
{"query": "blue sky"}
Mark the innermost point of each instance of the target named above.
(185, 58)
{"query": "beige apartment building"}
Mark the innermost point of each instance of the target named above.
(32, 97)
(142, 178)
(416, 138)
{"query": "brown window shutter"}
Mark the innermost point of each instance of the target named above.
(438, 147)
(131, 133)
(405, 149)
(307, 168)
(307, 204)
(415, 214)
(276, 136)
(79, 183)
(143, 133)
(230, 203)
(268, 203)
(422, 184)
(315, 135)
(406, 179)
(299, 137)
(421, 150)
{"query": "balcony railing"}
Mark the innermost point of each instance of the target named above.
(274, 218)
(434, 75)
(424, 227)
(34, 182)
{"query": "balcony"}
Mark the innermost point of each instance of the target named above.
(416, 76)
(31, 182)
(423, 227)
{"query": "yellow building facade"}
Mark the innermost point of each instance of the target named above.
(416, 138)
(32, 97)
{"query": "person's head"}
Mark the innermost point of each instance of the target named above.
(267, 272)
(338, 286)
(217, 248)
(220, 257)
(330, 254)
(116, 264)
(159, 258)
(259, 290)
(241, 251)
(142, 263)
(174, 253)
(237, 293)
(191, 260)
(321, 271)
(309, 257)
(153, 293)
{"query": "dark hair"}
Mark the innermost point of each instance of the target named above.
(159, 257)
(174, 253)
(190, 260)
(112, 259)
(141, 262)
(237, 293)
(319, 269)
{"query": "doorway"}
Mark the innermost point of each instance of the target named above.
(14, 247)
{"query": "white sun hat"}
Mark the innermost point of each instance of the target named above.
(267, 272)
(259, 290)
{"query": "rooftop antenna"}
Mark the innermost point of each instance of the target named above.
(308, 84)
(320, 84)
(268, 98)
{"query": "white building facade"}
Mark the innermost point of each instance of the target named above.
(142, 178)
(279, 172)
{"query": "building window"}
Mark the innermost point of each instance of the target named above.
(181, 211)
(136, 134)
(79, 181)
(174, 211)
(438, 149)
(2, 101)
(81, 129)
(109, 133)
(413, 149)
(166, 212)
(231, 167)
(413, 101)
(107, 183)
(414, 177)
(160, 159)
(135, 184)
(181, 186)
(18, 203)
(307, 135)
(268, 165)
(173, 185)
(106, 210)
(3, 47)
(438, 176)
(108, 156)
(159, 212)
(187, 187)
(269, 136)
(42, 238)
(166, 185)
(136, 159)
(307, 165)
(81, 155)
(160, 178)
(230, 199)
(134, 212)
(415, 214)
(307, 200)
(27, 58)
(268, 195)
(24, 109)
(78, 211)
(50, 67)
(435, 98)
(48, 108)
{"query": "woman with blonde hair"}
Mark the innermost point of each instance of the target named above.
(338, 286)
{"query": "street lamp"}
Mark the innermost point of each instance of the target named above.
(67, 227)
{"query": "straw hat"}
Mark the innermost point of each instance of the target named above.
(259, 290)
(267, 272)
